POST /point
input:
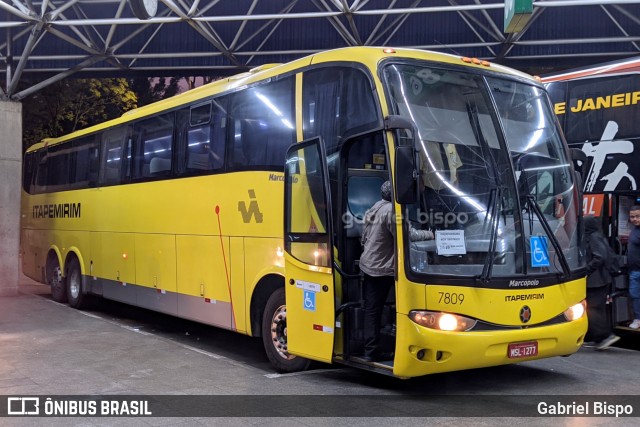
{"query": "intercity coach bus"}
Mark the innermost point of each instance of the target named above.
(599, 109)
(240, 204)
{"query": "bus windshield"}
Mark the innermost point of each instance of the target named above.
(496, 185)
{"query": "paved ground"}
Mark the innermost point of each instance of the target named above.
(50, 349)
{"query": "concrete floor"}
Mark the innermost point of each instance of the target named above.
(50, 349)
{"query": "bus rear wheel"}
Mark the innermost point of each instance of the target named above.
(55, 279)
(274, 335)
(77, 299)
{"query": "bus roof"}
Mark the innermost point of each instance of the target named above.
(369, 56)
(624, 66)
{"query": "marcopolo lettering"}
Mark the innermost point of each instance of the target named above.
(59, 210)
(523, 283)
(280, 178)
(523, 297)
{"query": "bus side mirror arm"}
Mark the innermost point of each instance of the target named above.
(394, 122)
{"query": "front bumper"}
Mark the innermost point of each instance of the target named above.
(422, 351)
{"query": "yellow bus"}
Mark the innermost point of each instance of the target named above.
(239, 204)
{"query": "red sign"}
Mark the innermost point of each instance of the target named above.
(592, 204)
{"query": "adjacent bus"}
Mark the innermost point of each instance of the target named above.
(240, 204)
(599, 110)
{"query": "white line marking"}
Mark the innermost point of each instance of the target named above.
(137, 330)
(295, 374)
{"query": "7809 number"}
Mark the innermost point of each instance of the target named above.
(450, 298)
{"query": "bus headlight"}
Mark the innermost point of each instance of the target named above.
(576, 311)
(442, 321)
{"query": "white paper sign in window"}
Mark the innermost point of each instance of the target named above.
(450, 242)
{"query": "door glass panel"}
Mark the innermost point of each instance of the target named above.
(307, 231)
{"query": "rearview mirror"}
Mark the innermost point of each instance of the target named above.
(406, 178)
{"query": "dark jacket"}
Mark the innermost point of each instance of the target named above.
(633, 250)
(597, 273)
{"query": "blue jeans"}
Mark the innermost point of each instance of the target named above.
(634, 292)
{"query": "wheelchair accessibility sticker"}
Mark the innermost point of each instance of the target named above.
(539, 251)
(309, 302)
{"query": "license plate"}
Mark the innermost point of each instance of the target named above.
(522, 349)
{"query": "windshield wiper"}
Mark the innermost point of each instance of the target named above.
(472, 111)
(488, 265)
(531, 202)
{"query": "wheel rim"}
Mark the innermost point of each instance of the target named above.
(279, 332)
(74, 284)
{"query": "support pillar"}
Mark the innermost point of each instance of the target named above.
(10, 189)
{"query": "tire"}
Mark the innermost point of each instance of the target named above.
(77, 299)
(274, 335)
(55, 279)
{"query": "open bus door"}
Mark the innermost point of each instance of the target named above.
(309, 284)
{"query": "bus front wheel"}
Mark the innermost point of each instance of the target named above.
(55, 279)
(274, 335)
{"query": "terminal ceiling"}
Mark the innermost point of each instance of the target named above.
(43, 41)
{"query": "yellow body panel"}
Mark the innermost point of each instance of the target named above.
(152, 268)
(239, 293)
(312, 333)
(113, 256)
(200, 267)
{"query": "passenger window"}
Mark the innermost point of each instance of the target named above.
(206, 139)
(40, 180)
(84, 162)
(153, 142)
(200, 114)
(112, 156)
(28, 171)
(262, 125)
(58, 168)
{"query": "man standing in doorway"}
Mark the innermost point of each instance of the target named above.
(377, 264)
(633, 263)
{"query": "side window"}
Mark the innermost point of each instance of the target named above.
(337, 101)
(58, 167)
(84, 162)
(153, 142)
(40, 165)
(202, 130)
(29, 171)
(113, 156)
(262, 125)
